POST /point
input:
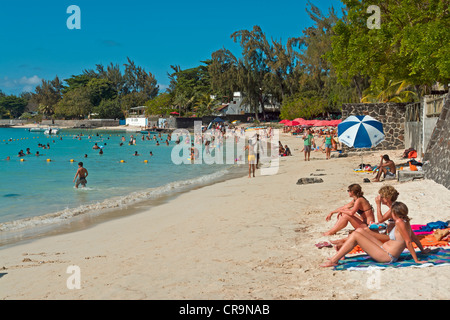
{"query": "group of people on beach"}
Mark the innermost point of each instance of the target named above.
(329, 142)
(383, 241)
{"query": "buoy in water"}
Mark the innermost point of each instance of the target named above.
(122, 161)
(49, 160)
(145, 161)
(71, 160)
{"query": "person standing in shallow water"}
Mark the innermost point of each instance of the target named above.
(82, 173)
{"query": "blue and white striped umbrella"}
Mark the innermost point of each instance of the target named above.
(360, 132)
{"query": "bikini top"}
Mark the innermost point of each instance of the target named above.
(392, 234)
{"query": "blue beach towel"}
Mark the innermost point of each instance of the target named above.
(437, 257)
(434, 225)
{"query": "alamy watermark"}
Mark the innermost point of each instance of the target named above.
(374, 21)
(74, 280)
(214, 147)
(74, 21)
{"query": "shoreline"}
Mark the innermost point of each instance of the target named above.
(87, 219)
(237, 239)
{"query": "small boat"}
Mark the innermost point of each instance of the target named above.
(37, 129)
(52, 131)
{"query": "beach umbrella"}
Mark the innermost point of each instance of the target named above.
(321, 123)
(284, 121)
(174, 112)
(291, 123)
(217, 120)
(360, 132)
(336, 122)
(309, 123)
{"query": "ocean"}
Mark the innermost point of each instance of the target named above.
(38, 191)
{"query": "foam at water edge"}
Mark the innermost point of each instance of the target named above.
(113, 203)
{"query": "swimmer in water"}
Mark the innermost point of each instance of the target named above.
(82, 173)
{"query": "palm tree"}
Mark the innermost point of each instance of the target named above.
(393, 91)
(46, 110)
(205, 106)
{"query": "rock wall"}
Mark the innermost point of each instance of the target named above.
(391, 115)
(438, 149)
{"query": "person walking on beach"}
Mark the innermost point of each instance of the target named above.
(308, 141)
(251, 158)
(82, 174)
(328, 144)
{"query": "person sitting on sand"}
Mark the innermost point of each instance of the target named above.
(287, 151)
(400, 237)
(387, 168)
(387, 195)
(347, 213)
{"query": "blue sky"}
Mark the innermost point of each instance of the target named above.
(36, 43)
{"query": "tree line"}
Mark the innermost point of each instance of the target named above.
(336, 60)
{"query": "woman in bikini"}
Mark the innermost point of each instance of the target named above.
(387, 195)
(400, 237)
(359, 205)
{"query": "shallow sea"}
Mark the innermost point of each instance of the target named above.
(37, 191)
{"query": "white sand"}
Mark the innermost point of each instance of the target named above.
(240, 239)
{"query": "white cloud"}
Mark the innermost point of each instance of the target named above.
(18, 85)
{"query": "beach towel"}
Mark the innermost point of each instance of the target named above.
(417, 229)
(426, 241)
(437, 257)
(434, 225)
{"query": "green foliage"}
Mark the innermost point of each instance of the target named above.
(187, 86)
(76, 104)
(412, 44)
(4, 114)
(12, 106)
(108, 109)
(100, 90)
(303, 106)
(160, 105)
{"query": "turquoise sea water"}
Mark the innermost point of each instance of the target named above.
(37, 192)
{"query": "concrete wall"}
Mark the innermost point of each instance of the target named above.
(93, 123)
(438, 149)
(11, 122)
(419, 126)
(391, 115)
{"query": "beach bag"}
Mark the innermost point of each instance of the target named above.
(412, 154)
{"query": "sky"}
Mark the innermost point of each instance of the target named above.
(36, 42)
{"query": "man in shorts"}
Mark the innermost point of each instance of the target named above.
(387, 168)
(82, 173)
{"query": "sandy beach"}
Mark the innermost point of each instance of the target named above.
(239, 239)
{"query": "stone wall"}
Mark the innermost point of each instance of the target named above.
(391, 115)
(438, 149)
